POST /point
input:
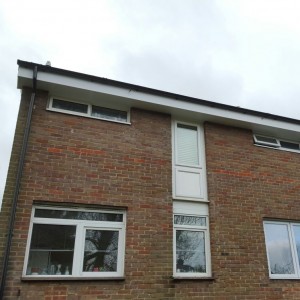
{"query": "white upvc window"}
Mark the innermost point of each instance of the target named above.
(189, 180)
(88, 110)
(283, 249)
(191, 245)
(276, 143)
(78, 243)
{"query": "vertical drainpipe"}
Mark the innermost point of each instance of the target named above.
(18, 183)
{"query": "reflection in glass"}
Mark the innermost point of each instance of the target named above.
(190, 251)
(100, 251)
(51, 250)
(78, 215)
(189, 220)
(71, 106)
(279, 249)
(107, 113)
(296, 229)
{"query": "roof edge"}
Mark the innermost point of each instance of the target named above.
(138, 88)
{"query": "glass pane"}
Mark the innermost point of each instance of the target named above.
(190, 251)
(100, 251)
(289, 145)
(78, 215)
(296, 229)
(107, 113)
(51, 250)
(187, 145)
(71, 106)
(279, 249)
(189, 220)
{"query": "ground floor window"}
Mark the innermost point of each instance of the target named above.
(191, 240)
(283, 249)
(75, 243)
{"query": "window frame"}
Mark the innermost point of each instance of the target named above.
(277, 145)
(89, 110)
(193, 210)
(293, 248)
(179, 168)
(79, 243)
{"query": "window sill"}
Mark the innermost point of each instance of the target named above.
(178, 278)
(291, 278)
(64, 278)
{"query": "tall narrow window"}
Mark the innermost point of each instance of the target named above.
(188, 166)
(191, 240)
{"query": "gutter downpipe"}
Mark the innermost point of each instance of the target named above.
(18, 183)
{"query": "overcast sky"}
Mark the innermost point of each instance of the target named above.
(239, 52)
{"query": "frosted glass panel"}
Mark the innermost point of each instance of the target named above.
(187, 145)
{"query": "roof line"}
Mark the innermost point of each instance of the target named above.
(138, 88)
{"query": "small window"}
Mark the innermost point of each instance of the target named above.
(289, 145)
(88, 110)
(267, 141)
(283, 249)
(110, 114)
(70, 106)
(276, 143)
(191, 241)
(75, 243)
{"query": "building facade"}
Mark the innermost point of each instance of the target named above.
(117, 191)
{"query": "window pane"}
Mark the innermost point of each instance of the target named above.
(77, 215)
(51, 250)
(296, 229)
(107, 113)
(71, 106)
(279, 249)
(187, 145)
(190, 251)
(189, 220)
(100, 251)
(289, 145)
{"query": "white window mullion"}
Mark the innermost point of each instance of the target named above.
(294, 249)
(78, 252)
(89, 112)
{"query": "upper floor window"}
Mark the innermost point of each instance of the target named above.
(88, 110)
(65, 242)
(188, 157)
(273, 142)
(283, 249)
(187, 145)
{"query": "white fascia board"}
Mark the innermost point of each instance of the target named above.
(163, 103)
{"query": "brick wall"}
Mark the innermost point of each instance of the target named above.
(86, 161)
(79, 160)
(246, 184)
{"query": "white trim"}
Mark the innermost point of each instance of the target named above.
(66, 85)
(81, 226)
